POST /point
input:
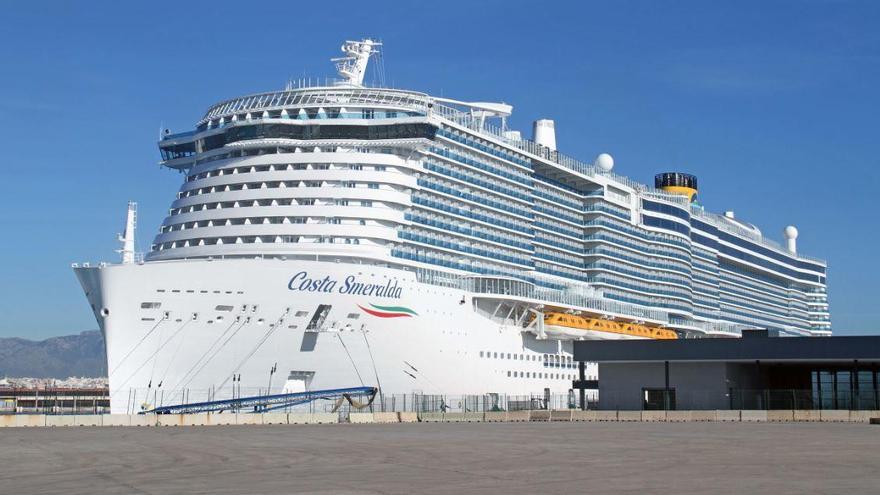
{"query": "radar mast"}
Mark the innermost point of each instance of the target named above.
(353, 65)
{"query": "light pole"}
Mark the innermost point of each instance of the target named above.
(236, 379)
(271, 372)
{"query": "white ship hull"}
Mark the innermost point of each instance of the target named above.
(181, 330)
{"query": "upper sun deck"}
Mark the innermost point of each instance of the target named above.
(327, 95)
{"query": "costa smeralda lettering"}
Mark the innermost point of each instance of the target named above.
(350, 285)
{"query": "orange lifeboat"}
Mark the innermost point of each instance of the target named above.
(567, 326)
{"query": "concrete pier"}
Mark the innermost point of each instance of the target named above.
(448, 458)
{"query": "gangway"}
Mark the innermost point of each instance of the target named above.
(261, 403)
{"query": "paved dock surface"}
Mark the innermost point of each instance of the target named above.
(505, 458)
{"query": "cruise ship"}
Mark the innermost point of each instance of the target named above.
(345, 235)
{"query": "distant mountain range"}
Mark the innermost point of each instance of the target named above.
(56, 357)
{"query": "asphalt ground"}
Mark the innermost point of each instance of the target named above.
(505, 458)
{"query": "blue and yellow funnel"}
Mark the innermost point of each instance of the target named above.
(677, 183)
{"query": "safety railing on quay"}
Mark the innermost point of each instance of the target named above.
(739, 399)
(436, 403)
(141, 400)
(854, 400)
(656, 399)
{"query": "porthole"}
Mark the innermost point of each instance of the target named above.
(105, 312)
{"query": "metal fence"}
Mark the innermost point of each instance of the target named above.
(740, 399)
(855, 400)
(139, 400)
(97, 401)
(474, 403)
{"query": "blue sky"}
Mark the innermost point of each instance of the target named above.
(774, 105)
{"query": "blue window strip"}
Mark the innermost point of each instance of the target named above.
(750, 258)
(522, 179)
(644, 250)
(770, 253)
(641, 234)
(474, 198)
(666, 209)
(618, 283)
(647, 302)
(469, 214)
(662, 223)
(556, 214)
(704, 241)
(557, 199)
(602, 251)
(755, 247)
(552, 228)
(398, 253)
(561, 245)
(558, 184)
(492, 186)
(603, 265)
(464, 249)
(574, 264)
(485, 149)
(466, 231)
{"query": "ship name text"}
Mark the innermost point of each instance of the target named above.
(350, 285)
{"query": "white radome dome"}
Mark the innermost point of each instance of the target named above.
(791, 232)
(605, 162)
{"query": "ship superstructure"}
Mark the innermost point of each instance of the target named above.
(317, 214)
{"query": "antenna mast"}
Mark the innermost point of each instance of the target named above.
(353, 65)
